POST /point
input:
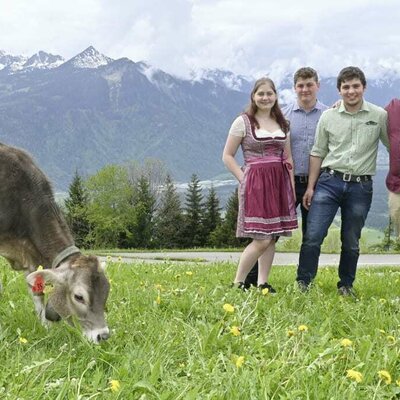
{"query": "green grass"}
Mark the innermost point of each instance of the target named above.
(171, 338)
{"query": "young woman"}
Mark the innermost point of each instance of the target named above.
(266, 191)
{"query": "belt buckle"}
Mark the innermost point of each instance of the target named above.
(302, 179)
(347, 176)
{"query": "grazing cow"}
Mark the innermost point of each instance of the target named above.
(33, 232)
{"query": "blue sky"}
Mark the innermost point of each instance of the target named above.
(252, 37)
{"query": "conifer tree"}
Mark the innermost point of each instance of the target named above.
(194, 215)
(144, 207)
(212, 217)
(225, 234)
(169, 218)
(77, 211)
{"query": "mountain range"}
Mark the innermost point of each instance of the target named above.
(91, 110)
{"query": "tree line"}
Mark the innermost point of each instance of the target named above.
(138, 206)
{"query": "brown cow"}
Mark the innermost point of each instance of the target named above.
(33, 232)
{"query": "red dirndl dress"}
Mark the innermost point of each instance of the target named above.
(266, 198)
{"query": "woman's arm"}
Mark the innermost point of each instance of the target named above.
(228, 156)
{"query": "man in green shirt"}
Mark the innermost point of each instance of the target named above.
(342, 163)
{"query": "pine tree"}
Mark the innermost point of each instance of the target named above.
(194, 215)
(225, 234)
(212, 217)
(77, 211)
(144, 212)
(169, 218)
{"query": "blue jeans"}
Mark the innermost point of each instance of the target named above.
(354, 200)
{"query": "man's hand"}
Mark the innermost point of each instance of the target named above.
(307, 198)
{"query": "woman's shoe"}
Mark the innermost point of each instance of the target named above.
(239, 285)
(267, 286)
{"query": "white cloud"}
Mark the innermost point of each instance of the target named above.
(252, 37)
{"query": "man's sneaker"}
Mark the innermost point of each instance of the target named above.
(267, 286)
(346, 291)
(302, 286)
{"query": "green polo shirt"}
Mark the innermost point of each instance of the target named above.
(348, 142)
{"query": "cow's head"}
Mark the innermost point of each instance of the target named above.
(80, 291)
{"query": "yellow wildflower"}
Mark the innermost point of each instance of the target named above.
(391, 339)
(265, 291)
(158, 300)
(228, 308)
(239, 361)
(385, 376)
(290, 333)
(354, 375)
(382, 301)
(189, 273)
(22, 340)
(303, 328)
(235, 330)
(115, 385)
(40, 268)
(346, 342)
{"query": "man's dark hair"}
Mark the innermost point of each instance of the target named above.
(349, 73)
(305, 73)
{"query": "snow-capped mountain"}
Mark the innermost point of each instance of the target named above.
(228, 79)
(43, 60)
(89, 58)
(11, 63)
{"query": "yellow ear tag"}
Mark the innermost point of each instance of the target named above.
(48, 289)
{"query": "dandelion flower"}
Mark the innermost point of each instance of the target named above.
(382, 301)
(235, 330)
(228, 308)
(391, 339)
(239, 361)
(115, 385)
(290, 333)
(189, 273)
(22, 340)
(346, 342)
(303, 328)
(385, 376)
(265, 291)
(354, 375)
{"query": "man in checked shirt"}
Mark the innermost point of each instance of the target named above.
(303, 114)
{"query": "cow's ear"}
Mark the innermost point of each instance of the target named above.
(47, 275)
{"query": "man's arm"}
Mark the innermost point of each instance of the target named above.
(313, 174)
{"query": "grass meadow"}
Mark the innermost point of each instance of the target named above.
(180, 332)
